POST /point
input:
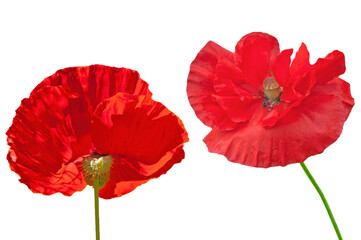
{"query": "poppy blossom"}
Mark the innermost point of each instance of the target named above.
(265, 110)
(92, 121)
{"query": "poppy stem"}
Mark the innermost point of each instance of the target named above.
(96, 206)
(313, 181)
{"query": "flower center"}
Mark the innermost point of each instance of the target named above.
(272, 93)
(271, 88)
(97, 166)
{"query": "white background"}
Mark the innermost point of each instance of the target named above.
(205, 196)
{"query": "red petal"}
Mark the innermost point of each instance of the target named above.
(116, 189)
(239, 110)
(255, 53)
(281, 67)
(200, 87)
(236, 98)
(49, 132)
(98, 82)
(336, 87)
(333, 65)
(125, 177)
(305, 84)
(301, 64)
(325, 69)
(143, 135)
(305, 131)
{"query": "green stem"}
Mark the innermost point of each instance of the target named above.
(96, 205)
(313, 181)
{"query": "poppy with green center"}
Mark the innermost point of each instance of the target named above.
(93, 122)
(265, 111)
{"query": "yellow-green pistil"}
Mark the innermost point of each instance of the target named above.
(271, 88)
(96, 166)
(272, 93)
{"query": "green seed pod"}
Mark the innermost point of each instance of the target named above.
(97, 166)
(272, 90)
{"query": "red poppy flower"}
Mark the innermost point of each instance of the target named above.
(96, 117)
(264, 110)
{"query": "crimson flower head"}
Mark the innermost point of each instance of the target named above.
(84, 122)
(265, 111)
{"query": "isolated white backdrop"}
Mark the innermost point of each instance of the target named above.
(205, 196)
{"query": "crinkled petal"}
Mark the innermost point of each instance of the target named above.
(97, 82)
(304, 85)
(49, 132)
(116, 189)
(200, 87)
(333, 65)
(145, 138)
(236, 97)
(300, 64)
(305, 131)
(254, 54)
(300, 81)
(336, 87)
(239, 110)
(126, 174)
(281, 67)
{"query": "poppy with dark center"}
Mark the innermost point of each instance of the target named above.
(95, 123)
(265, 111)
